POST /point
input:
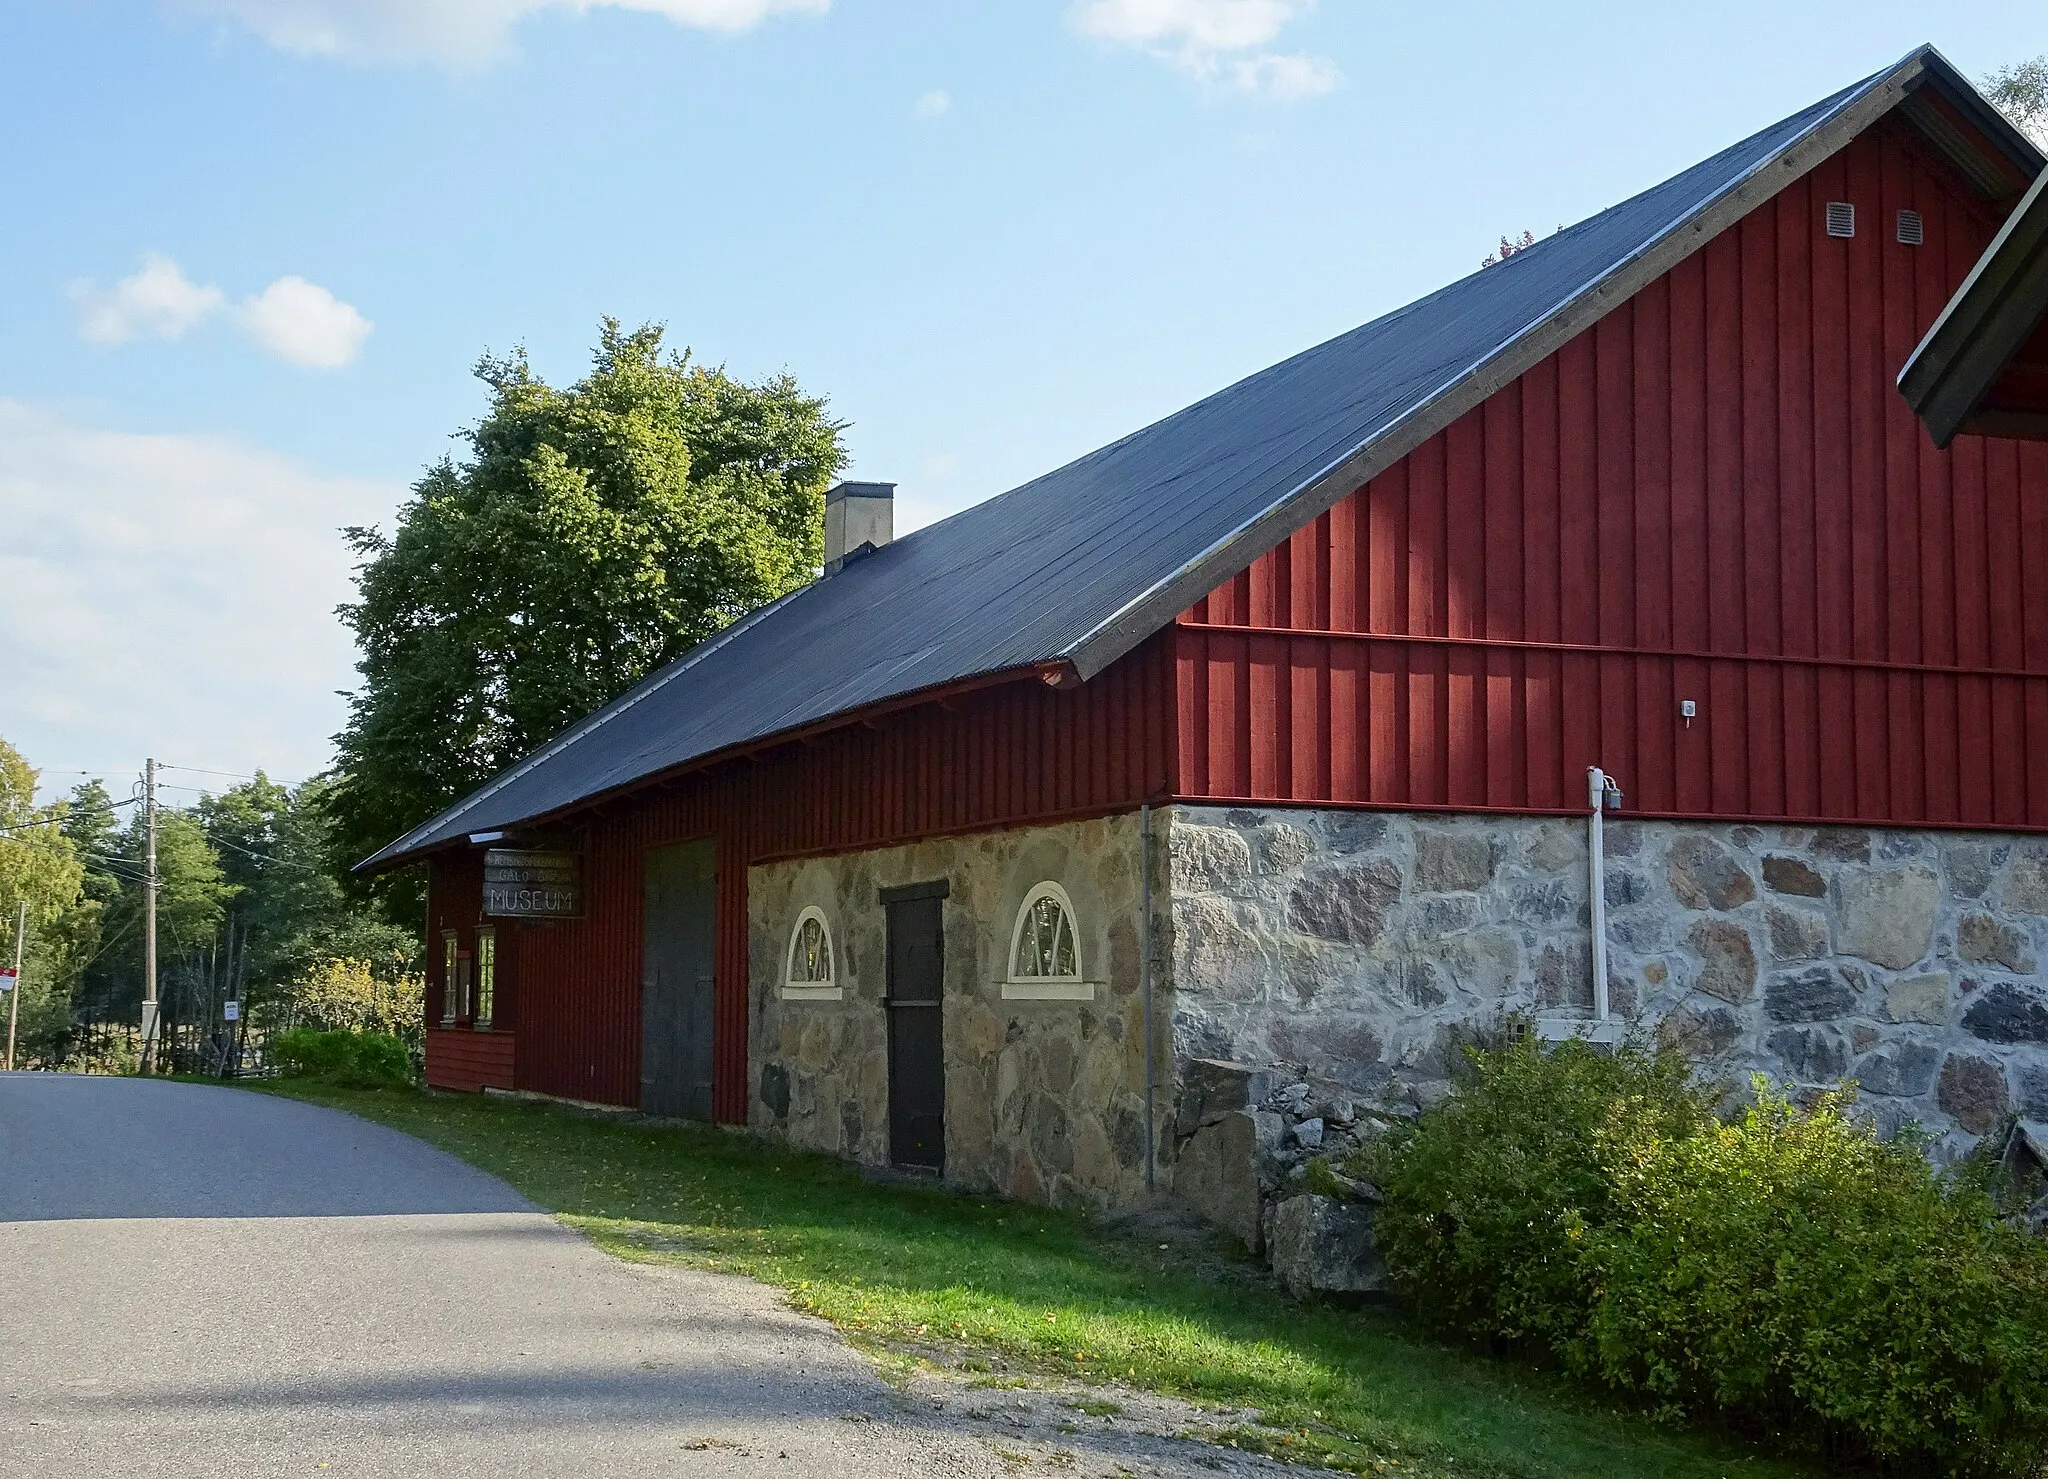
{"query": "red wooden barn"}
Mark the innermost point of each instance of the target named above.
(1253, 750)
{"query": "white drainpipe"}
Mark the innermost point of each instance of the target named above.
(1602, 792)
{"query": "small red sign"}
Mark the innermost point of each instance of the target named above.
(7, 978)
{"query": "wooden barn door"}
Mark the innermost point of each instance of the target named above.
(917, 1035)
(676, 980)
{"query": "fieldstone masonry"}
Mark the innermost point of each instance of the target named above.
(1317, 973)
(1044, 1099)
(1361, 949)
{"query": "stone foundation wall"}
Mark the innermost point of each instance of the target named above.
(1044, 1099)
(1359, 949)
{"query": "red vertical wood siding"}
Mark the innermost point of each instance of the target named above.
(1715, 493)
(1016, 753)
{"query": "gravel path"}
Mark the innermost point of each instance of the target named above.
(200, 1281)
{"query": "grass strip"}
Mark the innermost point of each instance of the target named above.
(1010, 1289)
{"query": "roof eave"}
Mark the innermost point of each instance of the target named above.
(1058, 673)
(1984, 323)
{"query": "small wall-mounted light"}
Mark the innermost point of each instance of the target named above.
(1688, 710)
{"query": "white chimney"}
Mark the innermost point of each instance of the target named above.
(859, 519)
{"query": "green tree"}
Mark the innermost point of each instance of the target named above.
(289, 918)
(39, 867)
(192, 901)
(589, 536)
(2020, 91)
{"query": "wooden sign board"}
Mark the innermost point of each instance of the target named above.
(532, 885)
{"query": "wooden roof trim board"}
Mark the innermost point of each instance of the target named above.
(1952, 382)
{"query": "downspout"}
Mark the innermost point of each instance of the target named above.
(1601, 793)
(1145, 982)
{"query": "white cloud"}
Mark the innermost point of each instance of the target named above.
(1220, 43)
(302, 322)
(158, 301)
(454, 33)
(294, 319)
(933, 104)
(171, 596)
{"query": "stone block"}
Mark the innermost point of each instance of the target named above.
(2034, 1091)
(1817, 994)
(1790, 876)
(2008, 1014)
(1452, 862)
(775, 1089)
(1280, 848)
(1988, 941)
(1564, 975)
(1888, 917)
(1308, 1134)
(1217, 1174)
(1701, 1031)
(1902, 1071)
(1322, 1245)
(2026, 891)
(1972, 1091)
(1727, 959)
(1208, 857)
(1705, 875)
(1559, 848)
(1353, 832)
(1970, 869)
(1211, 1088)
(1812, 1054)
(1921, 998)
(1797, 934)
(1348, 905)
(1843, 844)
(1216, 956)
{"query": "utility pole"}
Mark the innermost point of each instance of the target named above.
(149, 1002)
(14, 996)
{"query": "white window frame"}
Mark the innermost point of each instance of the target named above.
(795, 990)
(1046, 988)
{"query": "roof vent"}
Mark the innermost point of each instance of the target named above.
(1912, 230)
(859, 519)
(1841, 218)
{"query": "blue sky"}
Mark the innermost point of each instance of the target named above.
(254, 246)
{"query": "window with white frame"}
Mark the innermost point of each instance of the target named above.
(1045, 952)
(811, 973)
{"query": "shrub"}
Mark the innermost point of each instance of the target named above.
(348, 995)
(1488, 1195)
(366, 1060)
(1786, 1269)
(1791, 1267)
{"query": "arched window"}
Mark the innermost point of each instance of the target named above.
(811, 973)
(1045, 954)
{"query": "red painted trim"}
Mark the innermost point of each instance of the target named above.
(1504, 644)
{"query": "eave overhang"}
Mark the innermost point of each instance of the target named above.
(1982, 370)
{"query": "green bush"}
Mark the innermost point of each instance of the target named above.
(364, 1060)
(1787, 1269)
(1488, 1195)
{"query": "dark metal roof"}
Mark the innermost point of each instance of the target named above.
(1960, 378)
(1082, 564)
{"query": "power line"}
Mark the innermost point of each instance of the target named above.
(262, 858)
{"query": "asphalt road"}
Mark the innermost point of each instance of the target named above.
(200, 1281)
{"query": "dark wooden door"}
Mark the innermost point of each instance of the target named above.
(917, 1056)
(676, 980)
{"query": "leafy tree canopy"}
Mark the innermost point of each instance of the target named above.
(2020, 91)
(589, 536)
(41, 866)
